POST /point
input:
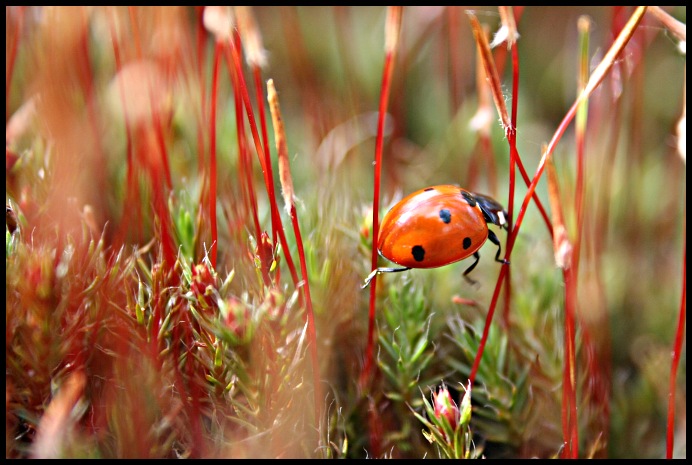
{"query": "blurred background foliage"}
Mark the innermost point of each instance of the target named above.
(244, 390)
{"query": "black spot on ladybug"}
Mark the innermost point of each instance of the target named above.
(445, 215)
(467, 243)
(418, 253)
(428, 189)
(470, 199)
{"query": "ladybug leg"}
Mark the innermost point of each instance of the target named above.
(477, 256)
(377, 271)
(493, 238)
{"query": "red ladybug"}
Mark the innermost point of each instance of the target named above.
(437, 226)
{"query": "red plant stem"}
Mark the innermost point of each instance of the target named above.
(257, 74)
(569, 401)
(181, 331)
(312, 332)
(13, 46)
(512, 236)
(201, 35)
(258, 147)
(677, 350)
(384, 98)
(246, 164)
(160, 207)
(392, 28)
(570, 276)
(167, 241)
(602, 70)
(132, 189)
(513, 156)
(563, 251)
(244, 159)
(455, 65)
(488, 319)
(212, 153)
(87, 77)
(596, 78)
(540, 206)
(197, 446)
(287, 186)
(275, 217)
(135, 31)
(158, 128)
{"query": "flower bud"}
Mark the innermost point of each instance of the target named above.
(445, 407)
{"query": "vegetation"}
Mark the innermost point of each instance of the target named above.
(191, 194)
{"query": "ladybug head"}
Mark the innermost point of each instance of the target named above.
(493, 212)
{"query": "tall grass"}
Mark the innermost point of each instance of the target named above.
(158, 305)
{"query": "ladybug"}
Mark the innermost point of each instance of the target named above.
(437, 226)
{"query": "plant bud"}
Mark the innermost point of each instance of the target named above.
(446, 407)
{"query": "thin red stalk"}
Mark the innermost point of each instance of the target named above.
(386, 81)
(212, 153)
(454, 55)
(257, 74)
(246, 172)
(496, 90)
(244, 159)
(181, 331)
(135, 31)
(488, 320)
(132, 189)
(87, 77)
(302, 69)
(602, 70)
(580, 134)
(593, 83)
(13, 46)
(563, 251)
(513, 157)
(197, 446)
(537, 200)
(160, 207)
(572, 364)
(201, 152)
(275, 217)
(287, 187)
(312, 331)
(258, 147)
(394, 16)
(167, 241)
(485, 153)
(569, 400)
(677, 351)
(539, 171)
(200, 43)
(159, 189)
(161, 141)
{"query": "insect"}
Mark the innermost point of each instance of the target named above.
(437, 226)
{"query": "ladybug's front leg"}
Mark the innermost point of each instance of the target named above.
(377, 271)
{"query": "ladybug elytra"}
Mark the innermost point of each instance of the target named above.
(437, 226)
